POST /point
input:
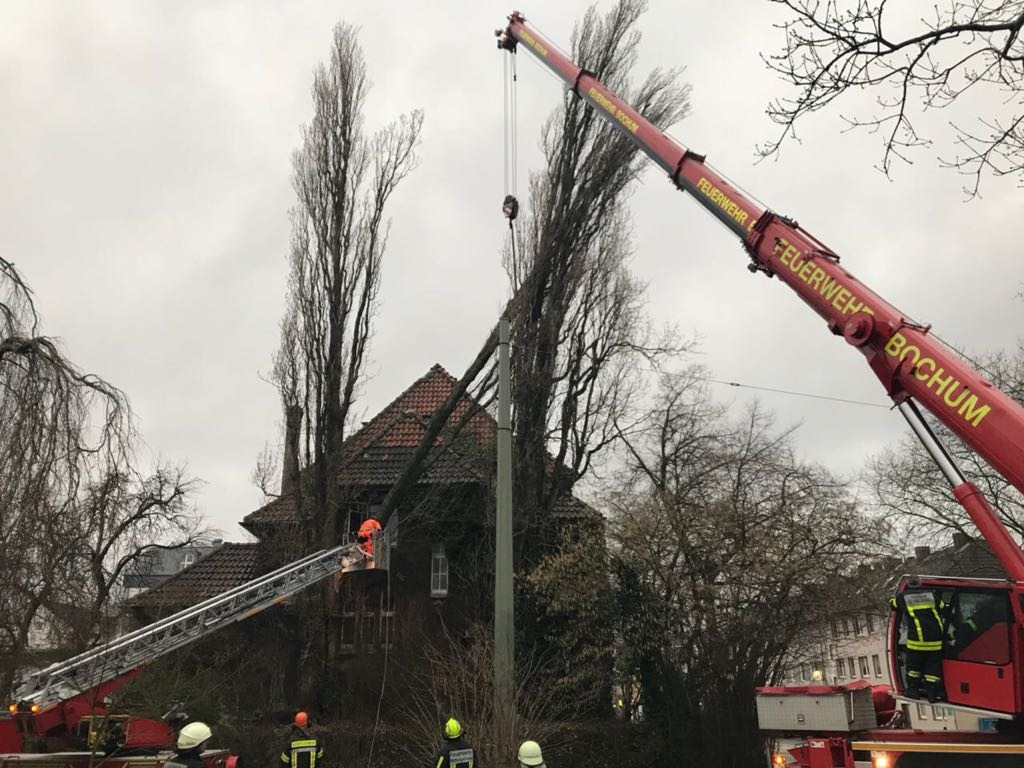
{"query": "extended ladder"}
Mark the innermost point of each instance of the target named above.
(58, 682)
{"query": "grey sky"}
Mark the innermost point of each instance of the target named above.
(146, 153)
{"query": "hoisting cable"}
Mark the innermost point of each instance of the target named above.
(510, 205)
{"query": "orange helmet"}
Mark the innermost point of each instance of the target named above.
(301, 719)
(369, 527)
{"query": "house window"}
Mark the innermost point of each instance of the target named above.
(348, 631)
(817, 672)
(187, 560)
(387, 629)
(846, 627)
(863, 661)
(438, 571)
(939, 713)
(851, 667)
(392, 529)
(922, 711)
(356, 514)
(368, 627)
(835, 629)
(856, 624)
(869, 622)
(877, 663)
(840, 668)
(805, 672)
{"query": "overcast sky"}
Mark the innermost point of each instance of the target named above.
(145, 149)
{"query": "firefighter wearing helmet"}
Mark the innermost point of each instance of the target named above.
(922, 613)
(366, 533)
(303, 749)
(455, 751)
(189, 746)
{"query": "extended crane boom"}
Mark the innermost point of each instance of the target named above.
(909, 361)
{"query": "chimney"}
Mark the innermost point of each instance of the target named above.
(960, 539)
(920, 553)
(290, 464)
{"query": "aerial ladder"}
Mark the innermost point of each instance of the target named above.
(64, 703)
(985, 677)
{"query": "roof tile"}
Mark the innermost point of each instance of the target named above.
(228, 566)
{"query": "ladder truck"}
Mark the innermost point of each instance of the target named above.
(986, 677)
(63, 707)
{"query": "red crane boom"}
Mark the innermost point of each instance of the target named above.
(909, 361)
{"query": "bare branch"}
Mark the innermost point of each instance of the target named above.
(832, 48)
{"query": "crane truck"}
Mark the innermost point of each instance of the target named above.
(61, 712)
(984, 676)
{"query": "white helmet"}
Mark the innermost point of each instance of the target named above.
(193, 734)
(529, 753)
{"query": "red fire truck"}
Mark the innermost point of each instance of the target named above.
(985, 677)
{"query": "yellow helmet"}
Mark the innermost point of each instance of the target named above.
(452, 729)
(529, 753)
(193, 734)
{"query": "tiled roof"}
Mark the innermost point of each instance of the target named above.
(569, 506)
(967, 557)
(421, 400)
(377, 454)
(379, 451)
(226, 567)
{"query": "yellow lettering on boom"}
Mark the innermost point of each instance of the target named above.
(730, 207)
(947, 388)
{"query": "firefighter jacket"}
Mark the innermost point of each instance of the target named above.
(303, 751)
(925, 626)
(186, 758)
(456, 753)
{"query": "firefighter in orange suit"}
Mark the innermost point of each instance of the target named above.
(365, 534)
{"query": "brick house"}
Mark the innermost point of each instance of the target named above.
(439, 583)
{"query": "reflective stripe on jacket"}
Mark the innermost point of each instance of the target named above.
(456, 753)
(302, 752)
(925, 624)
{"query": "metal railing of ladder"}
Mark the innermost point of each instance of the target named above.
(91, 668)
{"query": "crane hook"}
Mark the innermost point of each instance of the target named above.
(510, 207)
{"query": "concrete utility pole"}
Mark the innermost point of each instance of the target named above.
(504, 605)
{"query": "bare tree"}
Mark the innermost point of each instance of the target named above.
(67, 443)
(728, 547)
(122, 518)
(458, 680)
(961, 47)
(579, 327)
(343, 179)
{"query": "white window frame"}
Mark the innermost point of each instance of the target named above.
(350, 623)
(840, 668)
(438, 570)
(862, 665)
(187, 560)
(876, 662)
